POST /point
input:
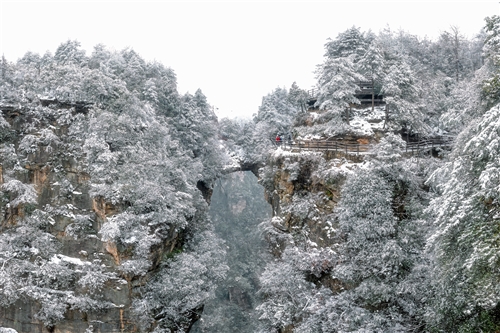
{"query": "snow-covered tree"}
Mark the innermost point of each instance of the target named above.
(464, 244)
(372, 64)
(298, 97)
(177, 293)
(277, 112)
(401, 94)
(491, 86)
(351, 42)
(70, 53)
(286, 293)
(337, 84)
(462, 105)
(451, 49)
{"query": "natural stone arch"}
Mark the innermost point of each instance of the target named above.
(206, 190)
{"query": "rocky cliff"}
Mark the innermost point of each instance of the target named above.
(74, 219)
(345, 236)
(105, 175)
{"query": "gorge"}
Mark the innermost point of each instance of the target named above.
(129, 207)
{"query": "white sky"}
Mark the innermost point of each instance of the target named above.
(235, 51)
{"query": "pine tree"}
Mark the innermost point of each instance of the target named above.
(337, 84)
(298, 97)
(491, 86)
(372, 65)
(351, 42)
(465, 240)
(401, 94)
(70, 53)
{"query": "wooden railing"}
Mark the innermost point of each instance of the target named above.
(413, 148)
(322, 145)
(312, 93)
(429, 145)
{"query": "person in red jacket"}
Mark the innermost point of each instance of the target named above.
(278, 139)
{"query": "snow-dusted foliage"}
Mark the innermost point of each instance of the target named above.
(275, 113)
(251, 141)
(464, 243)
(20, 193)
(32, 269)
(401, 94)
(491, 85)
(351, 42)
(349, 242)
(393, 244)
(462, 104)
(184, 283)
(378, 216)
(286, 292)
(338, 83)
(103, 151)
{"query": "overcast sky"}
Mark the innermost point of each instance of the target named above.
(235, 51)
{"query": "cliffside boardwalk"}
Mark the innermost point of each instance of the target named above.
(419, 148)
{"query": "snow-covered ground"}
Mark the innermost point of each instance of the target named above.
(361, 127)
(7, 330)
(365, 122)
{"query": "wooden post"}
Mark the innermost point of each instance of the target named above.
(373, 94)
(386, 115)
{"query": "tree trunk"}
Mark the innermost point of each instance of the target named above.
(456, 50)
(4, 65)
(386, 115)
(373, 95)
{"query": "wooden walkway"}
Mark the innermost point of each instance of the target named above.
(430, 145)
(419, 148)
(324, 145)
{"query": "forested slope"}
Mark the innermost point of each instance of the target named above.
(103, 223)
(391, 243)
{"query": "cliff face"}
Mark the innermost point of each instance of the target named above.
(106, 174)
(88, 223)
(347, 236)
(50, 171)
(303, 190)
